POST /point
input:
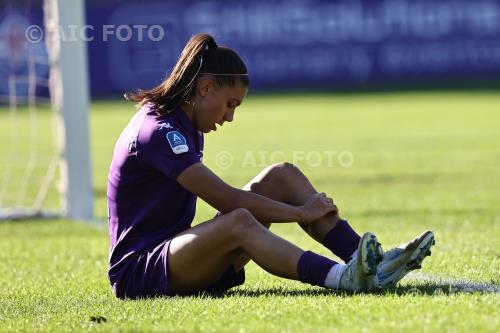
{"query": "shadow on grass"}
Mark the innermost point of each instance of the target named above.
(414, 289)
(444, 288)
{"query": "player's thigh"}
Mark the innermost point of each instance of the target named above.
(199, 256)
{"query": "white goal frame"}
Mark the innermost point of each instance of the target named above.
(69, 89)
(69, 98)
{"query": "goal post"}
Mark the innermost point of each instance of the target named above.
(70, 95)
(45, 169)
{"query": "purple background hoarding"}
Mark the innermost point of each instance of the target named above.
(293, 44)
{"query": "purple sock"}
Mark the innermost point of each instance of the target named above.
(342, 240)
(314, 268)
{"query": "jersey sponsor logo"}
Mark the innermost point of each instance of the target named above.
(177, 142)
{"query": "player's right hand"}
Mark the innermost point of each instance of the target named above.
(317, 206)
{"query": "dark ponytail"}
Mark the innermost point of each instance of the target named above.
(201, 55)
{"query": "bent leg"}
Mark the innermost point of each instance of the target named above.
(200, 255)
(286, 183)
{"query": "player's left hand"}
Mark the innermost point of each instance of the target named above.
(317, 206)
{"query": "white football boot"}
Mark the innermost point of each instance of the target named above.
(361, 271)
(398, 262)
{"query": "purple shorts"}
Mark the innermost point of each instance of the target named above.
(146, 275)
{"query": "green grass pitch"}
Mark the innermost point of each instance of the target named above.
(396, 164)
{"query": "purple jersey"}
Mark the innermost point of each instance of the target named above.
(146, 205)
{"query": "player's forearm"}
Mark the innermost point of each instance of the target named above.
(268, 210)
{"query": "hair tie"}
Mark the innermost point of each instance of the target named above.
(211, 44)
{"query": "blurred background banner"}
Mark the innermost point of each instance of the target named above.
(300, 45)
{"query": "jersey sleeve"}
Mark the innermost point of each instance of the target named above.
(170, 151)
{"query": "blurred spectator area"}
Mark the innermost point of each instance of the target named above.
(299, 45)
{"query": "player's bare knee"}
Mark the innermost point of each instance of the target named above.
(283, 171)
(243, 218)
(242, 222)
(275, 176)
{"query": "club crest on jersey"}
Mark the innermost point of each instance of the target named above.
(177, 142)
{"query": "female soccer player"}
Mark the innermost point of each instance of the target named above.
(157, 174)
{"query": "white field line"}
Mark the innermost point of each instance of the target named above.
(460, 286)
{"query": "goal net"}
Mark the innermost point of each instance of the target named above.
(43, 135)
